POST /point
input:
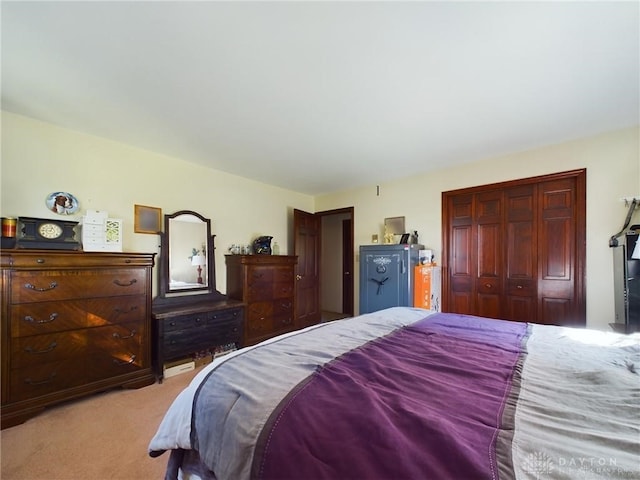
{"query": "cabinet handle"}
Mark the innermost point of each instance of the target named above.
(40, 382)
(40, 260)
(519, 287)
(120, 284)
(30, 286)
(488, 285)
(51, 318)
(125, 362)
(117, 335)
(46, 350)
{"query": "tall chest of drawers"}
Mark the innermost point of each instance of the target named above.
(73, 323)
(266, 285)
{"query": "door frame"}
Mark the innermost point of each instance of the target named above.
(348, 251)
(349, 246)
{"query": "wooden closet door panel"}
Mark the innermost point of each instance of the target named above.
(488, 207)
(520, 252)
(557, 249)
(461, 298)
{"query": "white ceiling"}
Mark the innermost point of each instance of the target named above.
(321, 96)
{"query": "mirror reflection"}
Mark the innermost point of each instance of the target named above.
(188, 254)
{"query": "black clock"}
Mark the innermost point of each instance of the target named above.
(46, 233)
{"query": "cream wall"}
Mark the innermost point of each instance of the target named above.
(613, 171)
(39, 158)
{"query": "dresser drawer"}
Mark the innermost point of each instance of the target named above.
(27, 286)
(41, 379)
(282, 290)
(282, 323)
(258, 274)
(194, 333)
(46, 317)
(116, 350)
(103, 311)
(53, 347)
(121, 340)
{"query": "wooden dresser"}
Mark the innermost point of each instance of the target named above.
(183, 330)
(266, 284)
(73, 323)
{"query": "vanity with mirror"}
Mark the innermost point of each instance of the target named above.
(190, 315)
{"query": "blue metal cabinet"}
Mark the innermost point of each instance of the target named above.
(386, 275)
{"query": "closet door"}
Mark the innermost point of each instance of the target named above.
(560, 276)
(520, 249)
(461, 265)
(489, 254)
(516, 250)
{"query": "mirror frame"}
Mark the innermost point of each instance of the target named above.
(166, 296)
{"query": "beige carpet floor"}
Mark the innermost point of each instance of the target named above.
(103, 436)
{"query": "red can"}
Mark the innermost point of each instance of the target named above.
(9, 227)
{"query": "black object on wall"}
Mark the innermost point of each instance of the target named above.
(626, 282)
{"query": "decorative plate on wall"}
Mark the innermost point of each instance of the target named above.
(62, 203)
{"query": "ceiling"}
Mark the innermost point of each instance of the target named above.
(319, 97)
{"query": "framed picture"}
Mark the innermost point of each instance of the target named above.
(147, 219)
(394, 225)
(404, 239)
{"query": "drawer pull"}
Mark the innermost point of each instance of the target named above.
(125, 362)
(46, 350)
(117, 335)
(40, 382)
(40, 260)
(488, 285)
(119, 311)
(51, 318)
(31, 286)
(519, 287)
(120, 284)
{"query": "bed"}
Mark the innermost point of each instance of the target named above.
(406, 393)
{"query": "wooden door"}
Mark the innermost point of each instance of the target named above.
(488, 253)
(561, 234)
(306, 245)
(460, 242)
(520, 247)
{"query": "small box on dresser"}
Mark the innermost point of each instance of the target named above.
(73, 323)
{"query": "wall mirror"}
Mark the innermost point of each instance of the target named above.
(187, 261)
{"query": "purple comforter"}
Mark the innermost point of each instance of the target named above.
(430, 400)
